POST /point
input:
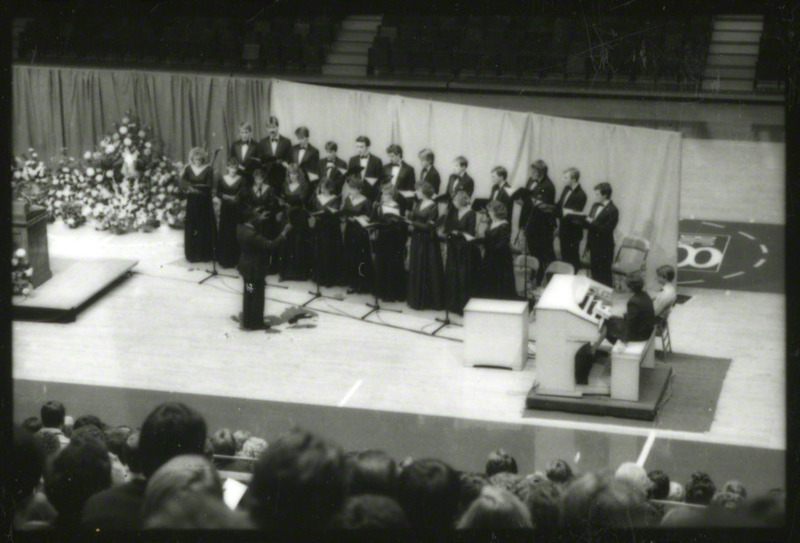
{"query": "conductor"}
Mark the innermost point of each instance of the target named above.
(253, 267)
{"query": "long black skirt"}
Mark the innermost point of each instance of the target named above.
(462, 273)
(498, 275)
(425, 272)
(198, 230)
(358, 272)
(328, 249)
(227, 245)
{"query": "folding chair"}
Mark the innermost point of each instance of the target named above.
(631, 259)
(662, 330)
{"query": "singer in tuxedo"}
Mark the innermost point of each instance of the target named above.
(429, 174)
(357, 265)
(246, 151)
(425, 270)
(398, 173)
(463, 256)
(304, 154)
(332, 168)
(276, 154)
(390, 245)
(501, 190)
(536, 216)
(371, 167)
(497, 277)
(600, 224)
(327, 235)
(253, 268)
(229, 190)
(570, 229)
(460, 179)
(197, 182)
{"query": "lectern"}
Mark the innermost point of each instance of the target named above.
(496, 333)
(568, 315)
(30, 233)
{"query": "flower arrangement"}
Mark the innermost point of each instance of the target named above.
(30, 178)
(65, 194)
(21, 273)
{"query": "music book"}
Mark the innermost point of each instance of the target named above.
(343, 170)
(468, 237)
(389, 210)
(568, 211)
(363, 221)
(441, 198)
(312, 176)
(410, 194)
(232, 492)
(371, 180)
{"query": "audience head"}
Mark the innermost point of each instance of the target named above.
(240, 436)
(726, 500)
(541, 497)
(26, 466)
(198, 156)
(302, 134)
(635, 282)
(86, 420)
(635, 475)
(676, 492)
(245, 131)
(425, 189)
(272, 127)
(428, 490)
(469, 488)
(427, 157)
(50, 443)
(593, 504)
(372, 472)
(181, 475)
(331, 147)
(254, 447)
(665, 274)
(497, 211)
(80, 470)
(603, 191)
(500, 461)
(495, 509)
(395, 153)
(298, 483)
(735, 487)
(539, 169)
(572, 176)
(91, 431)
(499, 174)
(52, 414)
(32, 424)
(370, 512)
(460, 165)
(130, 454)
(195, 511)
(559, 472)
(171, 429)
(700, 489)
(362, 145)
(659, 488)
(223, 442)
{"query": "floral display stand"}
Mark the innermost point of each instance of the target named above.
(29, 232)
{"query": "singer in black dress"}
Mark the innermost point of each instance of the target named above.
(327, 236)
(425, 269)
(357, 265)
(197, 181)
(390, 246)
(463, 256)
(261, 200)
(497, 266)
(229, 191)
(296, 249)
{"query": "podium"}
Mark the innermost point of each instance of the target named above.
(29, 232)
(568, 315)
(496, 333)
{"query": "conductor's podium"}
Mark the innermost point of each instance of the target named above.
(496, 333)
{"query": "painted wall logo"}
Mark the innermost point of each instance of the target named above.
(702, 252)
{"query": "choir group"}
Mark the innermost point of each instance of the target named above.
(349, 224)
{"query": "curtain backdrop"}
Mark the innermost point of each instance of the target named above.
(74, 107)
(642, 165)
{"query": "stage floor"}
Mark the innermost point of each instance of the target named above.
(160, 331)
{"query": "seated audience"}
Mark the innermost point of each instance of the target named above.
(298, 483)
(559, 472)
(119, 473)
(593, 504)
(726, 500)
(700, 489)
(370, 512)
(635, 475)
(171, 429)
(130, 456)
(428, 491)
(505, 480)
(495, 509)
(78, 472)
(500, 461)
(736, 487)
(49, 442)
(32, 424)
(665, 297)
(372, 472)
(541, 496)
(470, 486)
(660, 485)
(676, 492)
(69, 423)
(116, 437)
(85, 420)
(240, 436)
(29, 506)
(225, 445)
(52, 415)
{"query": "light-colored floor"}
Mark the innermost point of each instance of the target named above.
(160, 330)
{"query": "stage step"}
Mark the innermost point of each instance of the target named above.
(344, 69)
(366, 25)
(729, 36)
(348, 58)
(349, 54)
(731, 72)
(351, 47)
(719, 60)
(356, 35)
(732, 54)
(739, 25)
(733, 48)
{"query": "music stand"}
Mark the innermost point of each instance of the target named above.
(446, 320)
(318, 293)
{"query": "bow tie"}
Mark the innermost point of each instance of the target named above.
(303, 147)
(274, 140)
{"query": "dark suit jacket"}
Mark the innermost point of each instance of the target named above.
(283, 149)
(431, 176)
(601, 230)
(464, 181)
(571, 225)
(334, 173)
(406, 179)
(639, 318)
(310, 161)
(248, 162)
(374, 169)
(539, 221)
(252, 249)
(502, 196)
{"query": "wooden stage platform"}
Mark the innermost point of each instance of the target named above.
(75, 284)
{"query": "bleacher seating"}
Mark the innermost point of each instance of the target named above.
(770, 53)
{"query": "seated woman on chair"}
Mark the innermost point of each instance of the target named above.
(665, 298)
(639, 319)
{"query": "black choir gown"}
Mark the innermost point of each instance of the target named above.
(425, 270)
(295, 251)
(262, 200)
(390, 255)
(229, 191)
(198, 240)
(497, 266)
(357, 265)
(463, 260)
(327, 242)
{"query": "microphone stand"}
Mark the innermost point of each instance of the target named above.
(213, 271)
(318, 293)
(446, 320)
(375, 306)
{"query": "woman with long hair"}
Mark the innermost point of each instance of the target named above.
(197, 181)
(425, 269)
(229, 191)
(296, 250)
